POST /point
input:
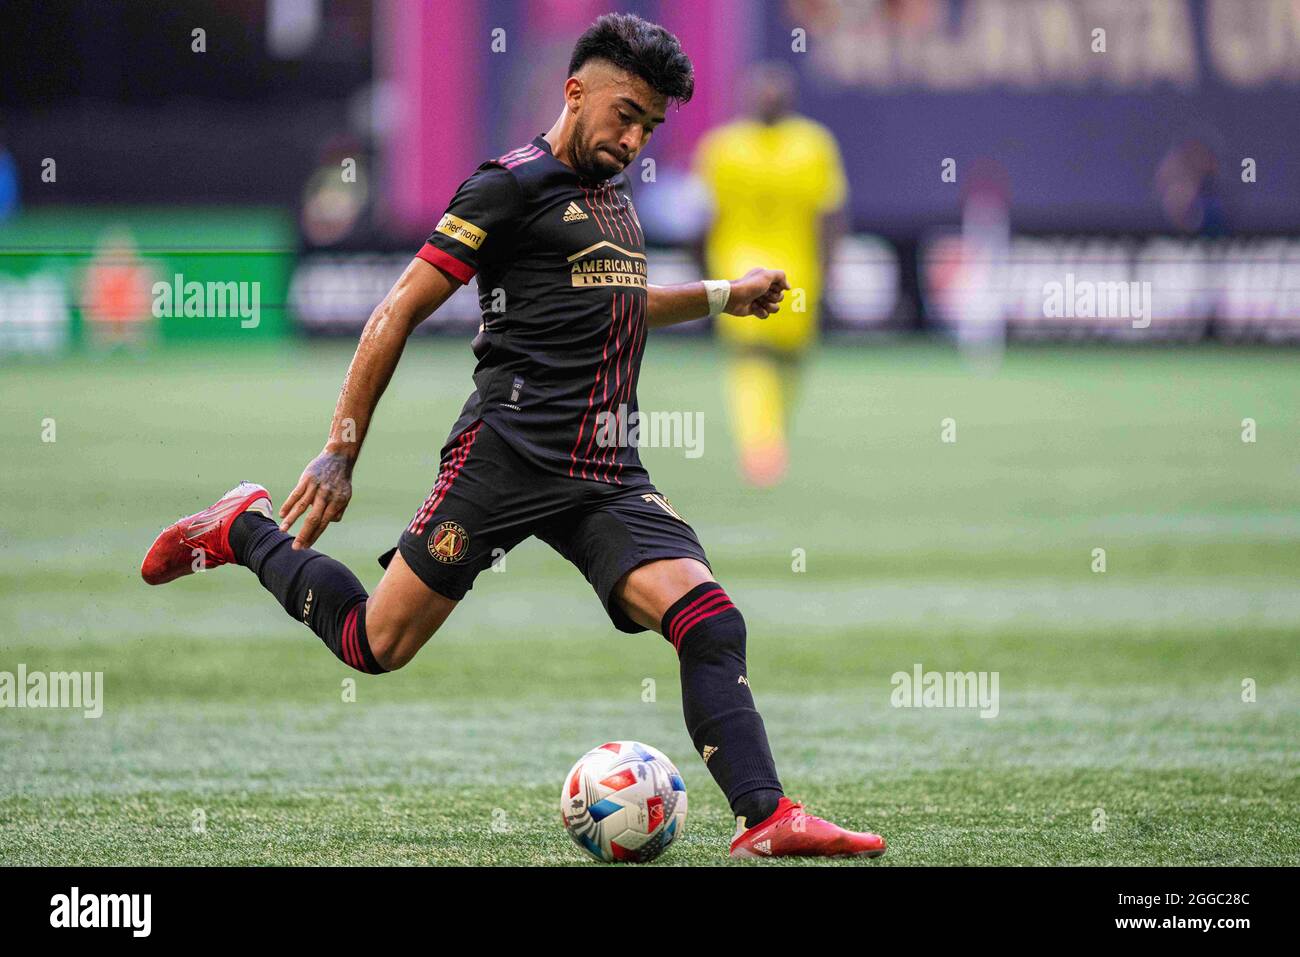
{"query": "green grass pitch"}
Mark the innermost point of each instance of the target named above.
(1121, 693)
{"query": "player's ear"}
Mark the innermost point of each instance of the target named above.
(573, 93)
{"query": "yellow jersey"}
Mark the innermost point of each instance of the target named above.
(770, 187)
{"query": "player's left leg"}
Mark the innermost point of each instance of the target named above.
(679, 599)
(650, 572)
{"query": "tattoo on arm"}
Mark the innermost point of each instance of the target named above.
(332, 472)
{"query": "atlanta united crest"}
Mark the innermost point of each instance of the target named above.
(448, 543)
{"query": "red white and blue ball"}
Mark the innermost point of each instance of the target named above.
(624, 801)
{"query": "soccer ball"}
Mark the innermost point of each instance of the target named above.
(623, 801)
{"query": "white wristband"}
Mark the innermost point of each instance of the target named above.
(718, 291)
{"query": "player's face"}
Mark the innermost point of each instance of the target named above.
(773, 97)
(616, 120)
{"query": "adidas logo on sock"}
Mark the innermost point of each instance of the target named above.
(574, 214)
(707, 752)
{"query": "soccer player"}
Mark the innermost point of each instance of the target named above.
(778, 189)
(550, 229)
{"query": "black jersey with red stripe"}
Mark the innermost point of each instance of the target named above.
(561, 272)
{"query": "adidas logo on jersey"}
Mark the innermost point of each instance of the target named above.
(574, 214)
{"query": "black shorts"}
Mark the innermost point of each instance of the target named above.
(488, 499)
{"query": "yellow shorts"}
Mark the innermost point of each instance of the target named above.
(791, 330)
(787, 331)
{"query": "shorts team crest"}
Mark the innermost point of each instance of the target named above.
(484, 484)
(448, 543)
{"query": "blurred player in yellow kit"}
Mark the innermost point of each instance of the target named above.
(778, 190)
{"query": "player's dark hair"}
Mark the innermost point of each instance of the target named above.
(640, 47)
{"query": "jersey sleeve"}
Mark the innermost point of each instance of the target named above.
(478, 224)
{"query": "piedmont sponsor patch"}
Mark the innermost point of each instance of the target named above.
(461, 230)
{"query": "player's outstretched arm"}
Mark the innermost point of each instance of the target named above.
(757, 293)
(325, 487)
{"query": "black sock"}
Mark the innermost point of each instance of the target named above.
(709, 634)
(312, 587)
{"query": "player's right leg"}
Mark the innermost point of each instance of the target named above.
(371, 633)
(484, 502)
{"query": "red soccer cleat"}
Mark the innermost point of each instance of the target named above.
(202, 540)
(791, 832)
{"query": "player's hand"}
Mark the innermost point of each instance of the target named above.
(325, 488)
(757, 293)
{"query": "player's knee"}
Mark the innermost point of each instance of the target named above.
(399, 621)
(727, 634)
(395, 645)
(386, 653)
(704, 623)
(389, 651)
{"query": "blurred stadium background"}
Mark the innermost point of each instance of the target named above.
(309, 147)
